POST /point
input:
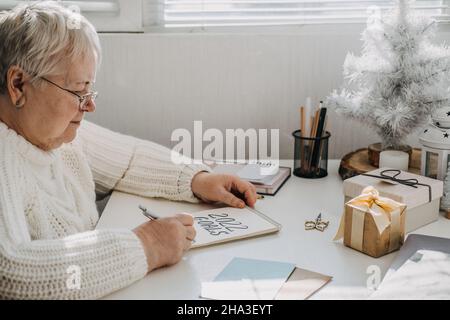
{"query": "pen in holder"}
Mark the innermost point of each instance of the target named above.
(310, 155)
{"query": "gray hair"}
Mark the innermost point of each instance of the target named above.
(43, 38)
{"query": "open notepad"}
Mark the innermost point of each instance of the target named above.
(227, 224)
(213, 226)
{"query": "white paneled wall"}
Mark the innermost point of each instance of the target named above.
(151, 84)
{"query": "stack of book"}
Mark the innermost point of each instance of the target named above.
(265, 176)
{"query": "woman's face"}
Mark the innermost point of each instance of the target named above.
(51, 116)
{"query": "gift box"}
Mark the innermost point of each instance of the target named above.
(372, 224)
(420, 194)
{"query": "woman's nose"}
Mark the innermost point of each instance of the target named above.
(90, 106)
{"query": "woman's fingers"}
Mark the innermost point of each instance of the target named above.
(190, 233)
(247, 189)
(231, 200)
(185, 218)
(187, 245)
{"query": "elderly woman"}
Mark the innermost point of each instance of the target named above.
(52, 164)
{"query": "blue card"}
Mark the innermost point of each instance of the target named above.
(248, 279)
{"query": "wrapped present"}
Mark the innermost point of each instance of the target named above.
(372, 224)
(420, 194)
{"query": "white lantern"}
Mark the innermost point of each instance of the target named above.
(435, 140)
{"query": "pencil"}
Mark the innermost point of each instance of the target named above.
(311, 126)
(302, 134)
(322, 143)
(313, 135)
(302, 121)
(308, 113)
(316, 122)
(318, 135)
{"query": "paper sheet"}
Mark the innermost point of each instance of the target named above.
(248, 279)
(302, 284)
(425, 275)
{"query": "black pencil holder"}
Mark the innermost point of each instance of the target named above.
(310, 155)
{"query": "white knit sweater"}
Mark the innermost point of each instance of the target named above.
(48, 212)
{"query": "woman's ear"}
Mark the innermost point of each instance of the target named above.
(15, 79)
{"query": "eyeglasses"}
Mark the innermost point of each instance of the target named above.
(84, 99)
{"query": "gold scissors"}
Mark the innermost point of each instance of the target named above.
(318, 224)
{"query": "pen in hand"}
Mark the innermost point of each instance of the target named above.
(148, 213)
(152, 215)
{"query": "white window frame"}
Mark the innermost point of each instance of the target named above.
(158, 11)
(112, 16)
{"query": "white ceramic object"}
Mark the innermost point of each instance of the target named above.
(394, 159)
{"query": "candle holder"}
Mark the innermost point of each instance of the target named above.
(394, 159)
(435, 140)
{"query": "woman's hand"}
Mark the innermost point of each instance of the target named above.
(165, 240)
(229, 189)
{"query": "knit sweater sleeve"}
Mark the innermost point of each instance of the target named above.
(86, 265)
(125, 163)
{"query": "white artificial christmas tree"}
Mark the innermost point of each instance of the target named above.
(400, 78)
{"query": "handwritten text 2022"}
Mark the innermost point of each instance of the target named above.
(220, 223)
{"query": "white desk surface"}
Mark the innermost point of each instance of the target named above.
(298, 200)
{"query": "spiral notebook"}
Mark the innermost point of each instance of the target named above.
(214, 225)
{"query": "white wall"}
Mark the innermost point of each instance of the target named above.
(151, 84)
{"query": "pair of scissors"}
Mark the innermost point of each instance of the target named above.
(318, 224)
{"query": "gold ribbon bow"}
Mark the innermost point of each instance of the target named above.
(385, 212)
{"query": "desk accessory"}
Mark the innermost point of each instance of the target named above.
(317, 224)
(311, 147)
(148, 213)
(435, 140)
(394, 159)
